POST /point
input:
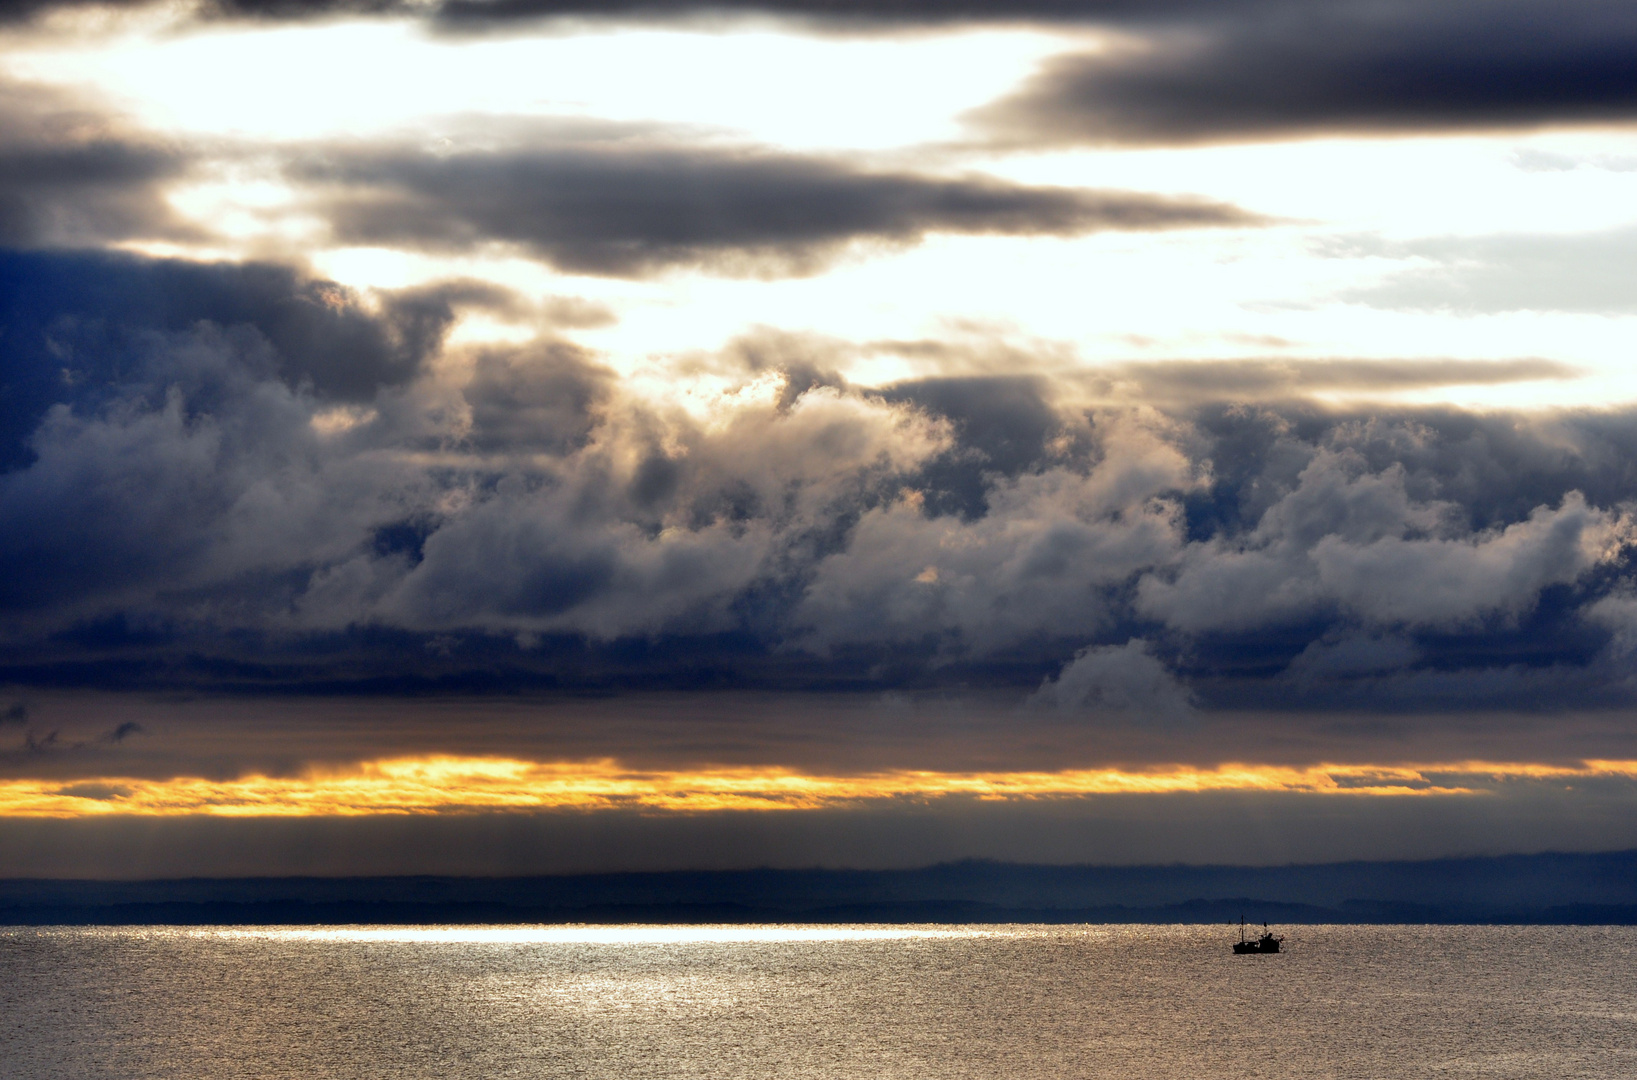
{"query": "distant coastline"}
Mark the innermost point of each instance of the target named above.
(1543, 889)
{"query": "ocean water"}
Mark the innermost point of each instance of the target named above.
(822, 1002)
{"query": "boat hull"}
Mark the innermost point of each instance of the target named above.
(1242, 947)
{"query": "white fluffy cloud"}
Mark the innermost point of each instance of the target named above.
(525, 492)
(1036, 564)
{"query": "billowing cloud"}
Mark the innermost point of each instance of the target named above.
(1043, 561)
(946, 553)
(83, 329)
(1119, 679)
(522, 511)
(1350, 539)
(615, 206)
(647, 525)
(212, 470)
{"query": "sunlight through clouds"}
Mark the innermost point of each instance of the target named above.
(439, 785)
(1001, 398)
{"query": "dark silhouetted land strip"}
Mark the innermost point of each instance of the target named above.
(1572, 889)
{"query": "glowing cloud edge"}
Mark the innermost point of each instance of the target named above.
(430, 785)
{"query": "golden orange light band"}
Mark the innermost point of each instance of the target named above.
(436, 784)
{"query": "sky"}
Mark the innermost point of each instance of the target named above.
(531, 436)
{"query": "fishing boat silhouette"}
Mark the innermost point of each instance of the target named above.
(1266, 943)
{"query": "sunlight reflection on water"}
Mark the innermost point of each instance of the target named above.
(595, 934)
(815, 1003)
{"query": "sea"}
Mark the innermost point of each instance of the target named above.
(820, 1002)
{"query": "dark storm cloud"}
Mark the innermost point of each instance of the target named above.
(70, 176)
(630, 210)
(193, 512)
(122, 732)
(535, 399)
(82, 329)
(157, 409)
(1278, 70)
(1003, 425)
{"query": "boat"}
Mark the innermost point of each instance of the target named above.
(1266, 943)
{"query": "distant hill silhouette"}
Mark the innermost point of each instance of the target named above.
(1546, 888)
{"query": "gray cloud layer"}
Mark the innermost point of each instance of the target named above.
(15, 11)
(612, 207)
(1201, 381)
(1185, 71)
(1194, 72)
(1287, 69)
(857, 13)
(860, 13)
(1210, 830)
(519, 515)
(586, 196)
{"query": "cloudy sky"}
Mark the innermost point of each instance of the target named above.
(495, 436)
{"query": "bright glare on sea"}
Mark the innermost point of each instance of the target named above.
(824, 1002)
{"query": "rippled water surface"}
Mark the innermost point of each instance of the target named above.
(831, 1002)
